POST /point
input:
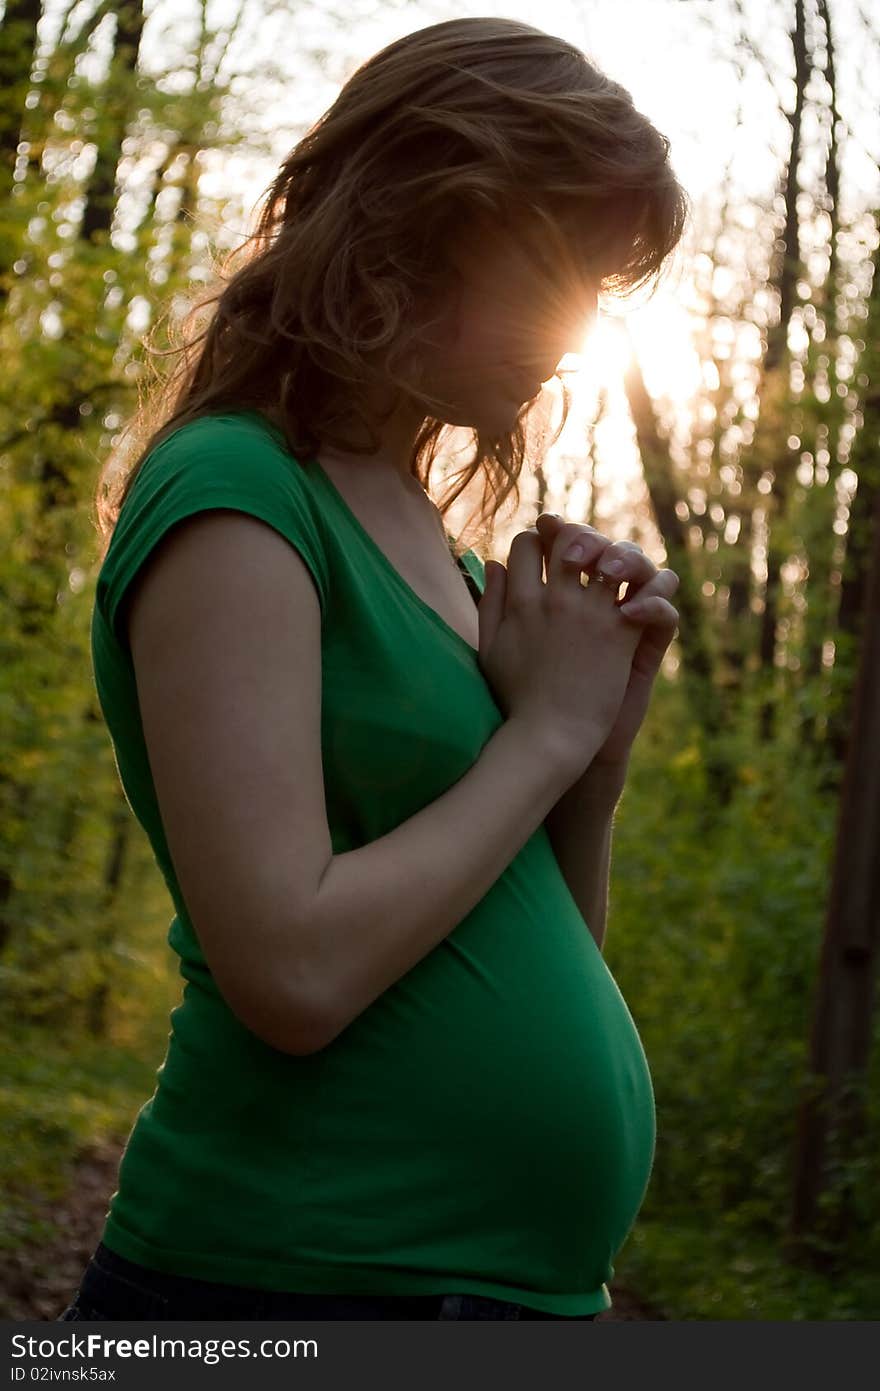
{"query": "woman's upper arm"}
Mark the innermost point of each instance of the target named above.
(224, 626)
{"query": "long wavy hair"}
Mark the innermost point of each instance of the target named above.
(331, 295)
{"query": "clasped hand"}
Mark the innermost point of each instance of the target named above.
(647, 604)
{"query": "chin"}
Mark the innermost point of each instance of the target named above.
(501, 415)
(495, 414)
(514, 406)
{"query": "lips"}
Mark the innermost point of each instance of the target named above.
(536, 377)
(526, 379)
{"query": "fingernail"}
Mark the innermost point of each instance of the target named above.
(632, 609)
(574, 552)
(611, 567)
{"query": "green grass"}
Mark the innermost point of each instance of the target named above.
(703, 1272)
(58, 1098)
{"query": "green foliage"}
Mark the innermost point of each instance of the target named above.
(689, 1268)
(714, 937)
(59, 1097)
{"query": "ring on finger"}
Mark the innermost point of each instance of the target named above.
(597, 577)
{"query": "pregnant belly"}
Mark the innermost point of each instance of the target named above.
(508, 1095)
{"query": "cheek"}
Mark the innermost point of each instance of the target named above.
(476, 327)
(480, 337)
(481, 343)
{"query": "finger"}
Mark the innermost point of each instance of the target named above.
(490, 609)
(621, 561)
(565, 571)
(626, 561)
(653, 611)
(548, 525)
(633, 565)
(663, 582)
(525, 566)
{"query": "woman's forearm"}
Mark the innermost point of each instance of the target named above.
(380, 908)
(579, 827)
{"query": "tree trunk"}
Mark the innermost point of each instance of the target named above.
(698, 665)
(121, 94)
(18, 38)
(820, 593)
(832, 1116)
(775, 362)
(865, 461)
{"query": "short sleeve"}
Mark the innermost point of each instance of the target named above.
(209, 463)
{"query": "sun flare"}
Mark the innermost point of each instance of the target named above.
(658, 334)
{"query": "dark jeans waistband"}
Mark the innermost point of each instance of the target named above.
(114, 1287)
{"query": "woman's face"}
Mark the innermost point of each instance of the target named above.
(517, 314)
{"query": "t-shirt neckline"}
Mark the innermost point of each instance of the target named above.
(374, 549)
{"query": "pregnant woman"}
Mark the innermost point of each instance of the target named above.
(401, 1081)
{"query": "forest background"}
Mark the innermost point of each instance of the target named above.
(730, 425)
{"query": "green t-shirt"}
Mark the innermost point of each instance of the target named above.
(486, 1125)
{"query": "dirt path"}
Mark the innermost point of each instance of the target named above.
(39, 1281)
